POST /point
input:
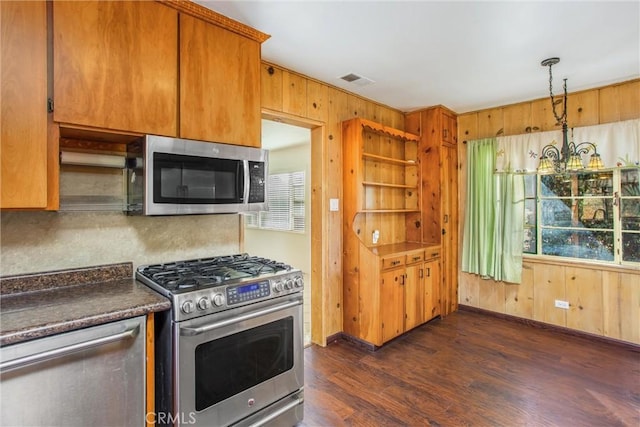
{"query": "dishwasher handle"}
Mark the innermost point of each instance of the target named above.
(66, 350)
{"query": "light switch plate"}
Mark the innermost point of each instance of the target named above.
(334, 205)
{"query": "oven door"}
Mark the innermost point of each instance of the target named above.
(231, 366)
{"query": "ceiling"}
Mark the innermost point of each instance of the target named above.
(466, 55)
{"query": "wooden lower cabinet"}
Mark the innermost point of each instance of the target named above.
(432, 287)
(392, 303)
(394, 289)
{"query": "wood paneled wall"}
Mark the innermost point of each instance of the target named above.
(300, 100)
(603, 300)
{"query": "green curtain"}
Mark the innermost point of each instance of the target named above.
(478, 246)
(494, 221)
(509, 227)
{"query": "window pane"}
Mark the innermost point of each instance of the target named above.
(630, 212)
(596, 213)
(555, 185)
(631, 247)
(595, 184)
(630, 182)
(588, 244)
(530, 241)
(530, 183)
(556, 212)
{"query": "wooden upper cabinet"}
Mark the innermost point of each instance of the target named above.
(23, 120)
(449, 128)
(219, 84)
(115, 65)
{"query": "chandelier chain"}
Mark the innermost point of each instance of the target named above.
(561, 119)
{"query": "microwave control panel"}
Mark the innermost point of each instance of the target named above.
(258, 180)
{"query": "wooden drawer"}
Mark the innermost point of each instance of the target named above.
(414, 257)
(392, 262)
(432, 253)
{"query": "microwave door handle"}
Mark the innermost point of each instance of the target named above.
(247, 181)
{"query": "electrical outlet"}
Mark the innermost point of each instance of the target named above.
(562, 304)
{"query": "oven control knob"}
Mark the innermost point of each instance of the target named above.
(187, 307)
(278, 287)
(218, 300)
(299, 282)
(289, 284)
(203, 303)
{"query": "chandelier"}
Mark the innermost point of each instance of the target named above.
(569, 157)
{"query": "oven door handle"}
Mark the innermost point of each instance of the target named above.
(237, 319)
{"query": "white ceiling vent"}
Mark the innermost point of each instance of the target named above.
(357, 79)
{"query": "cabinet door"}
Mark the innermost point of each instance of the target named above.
(431, 274)
(115, 65)
(392, 303)
(23, 120)
(413, 296)
(449, 129)
(219, 84)
(449, 221)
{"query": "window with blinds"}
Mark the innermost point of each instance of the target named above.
(286, 204)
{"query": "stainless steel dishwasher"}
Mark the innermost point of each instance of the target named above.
(87, 377)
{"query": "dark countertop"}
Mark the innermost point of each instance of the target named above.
(42, 304)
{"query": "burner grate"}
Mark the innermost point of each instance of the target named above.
(196, 273)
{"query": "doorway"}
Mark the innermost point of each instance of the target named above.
(284, 232)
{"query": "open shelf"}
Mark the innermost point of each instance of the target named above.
(389, 159)
(384, 184)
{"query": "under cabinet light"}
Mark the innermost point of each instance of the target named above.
(91, 159)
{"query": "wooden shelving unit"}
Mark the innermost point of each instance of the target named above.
(388, 282)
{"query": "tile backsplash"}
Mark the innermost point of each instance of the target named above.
(44, 241)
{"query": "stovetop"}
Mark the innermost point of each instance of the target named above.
(195, 274)
(211, 285)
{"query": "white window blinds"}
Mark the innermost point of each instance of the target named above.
(286, 204)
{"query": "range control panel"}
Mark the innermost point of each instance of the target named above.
(217, 299)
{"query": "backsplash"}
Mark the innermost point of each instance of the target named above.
(44, 241)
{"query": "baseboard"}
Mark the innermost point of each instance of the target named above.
(560, 329)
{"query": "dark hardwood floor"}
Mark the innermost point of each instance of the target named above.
(471, 369)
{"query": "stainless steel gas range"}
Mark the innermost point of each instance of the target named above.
(230, 351)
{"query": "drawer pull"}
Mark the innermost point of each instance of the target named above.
(395, 262)
(417, 258)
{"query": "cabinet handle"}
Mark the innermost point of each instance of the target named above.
(428, 271)
(402, 279)
(421, 273)
(444, 133)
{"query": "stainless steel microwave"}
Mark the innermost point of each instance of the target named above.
(172, 176)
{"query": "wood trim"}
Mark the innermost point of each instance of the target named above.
(190, 8)
(553, 328)
(380, 128)
(537, 259)
(150, 372)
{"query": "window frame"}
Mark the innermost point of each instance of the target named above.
(618, 199)
(292, 218)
